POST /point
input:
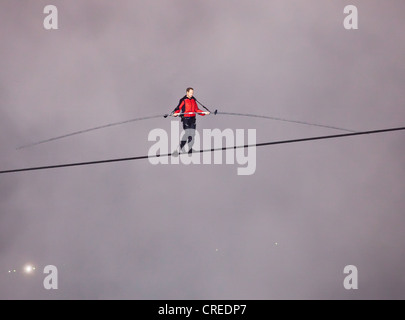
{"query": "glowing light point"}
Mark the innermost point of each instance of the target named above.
(29, 268)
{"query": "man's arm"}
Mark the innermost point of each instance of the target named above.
(176, 111)
(203, 113)
(200, 112)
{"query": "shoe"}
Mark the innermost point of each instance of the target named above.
(176, 152)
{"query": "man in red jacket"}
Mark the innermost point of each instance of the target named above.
(187, 109)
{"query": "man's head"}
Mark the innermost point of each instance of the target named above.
(189, 92)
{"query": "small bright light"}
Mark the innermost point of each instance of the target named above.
(28, 268)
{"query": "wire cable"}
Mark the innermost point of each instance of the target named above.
(88, 130)
(166, 115)
(206, 150)
(281, 119)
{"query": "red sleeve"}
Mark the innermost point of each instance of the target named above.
(179, 107)
(198, 110)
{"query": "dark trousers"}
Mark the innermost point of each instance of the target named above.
(189, 126)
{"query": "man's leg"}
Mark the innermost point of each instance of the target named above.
(189, 126)
(184, 138)
(191, 133)
(182, 144)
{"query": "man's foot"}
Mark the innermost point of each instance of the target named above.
(176, 152)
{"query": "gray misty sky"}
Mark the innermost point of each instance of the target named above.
(133, 230)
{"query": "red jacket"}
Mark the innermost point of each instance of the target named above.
(188, 105)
